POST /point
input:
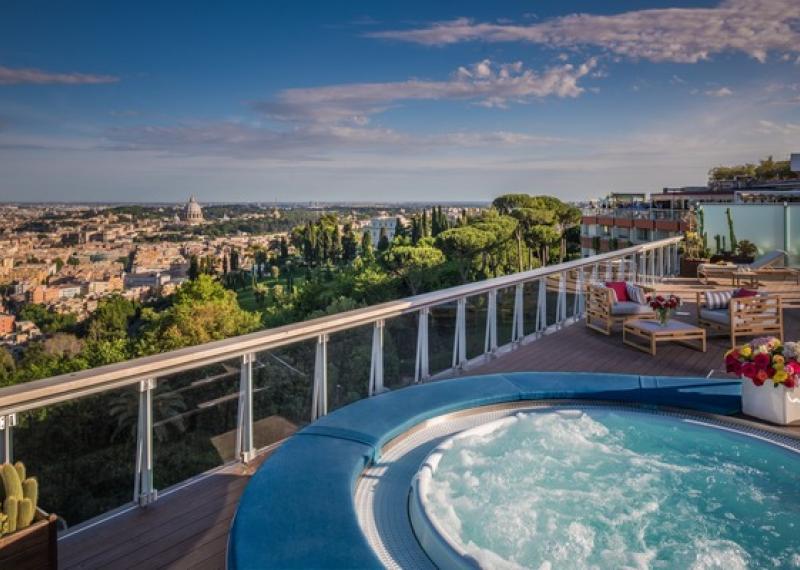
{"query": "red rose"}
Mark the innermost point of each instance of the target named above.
(762, 361)
(790, 382)
(733, 367)
(761, 377)
(749, 370)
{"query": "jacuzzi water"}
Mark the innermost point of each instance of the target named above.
(603, 488)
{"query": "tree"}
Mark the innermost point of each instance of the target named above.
(413, 263)
(383, 241)
(366, 247)
(201, 311)
(112, 319)
(234, 262)
(462, 246)
(7, 367)
(194, 268)
(275, 272)
(284, 247)
(349, 244)
(399, 228)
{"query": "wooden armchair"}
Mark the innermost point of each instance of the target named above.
(602, 312)
(761, 315)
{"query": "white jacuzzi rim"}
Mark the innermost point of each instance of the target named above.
(445, 551)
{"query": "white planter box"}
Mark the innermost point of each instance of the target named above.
(766, 402)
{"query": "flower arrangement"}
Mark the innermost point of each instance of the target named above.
(663, 306)
(766, 358)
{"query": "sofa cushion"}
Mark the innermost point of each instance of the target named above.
(630, 308)
(720, 316)
(636, 293)
(620, 291)
(718, 299)
(745, 293)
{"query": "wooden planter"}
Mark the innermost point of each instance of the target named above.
(33, 548)
(689, 266)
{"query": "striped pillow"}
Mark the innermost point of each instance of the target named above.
(636, 293)
(718, 299)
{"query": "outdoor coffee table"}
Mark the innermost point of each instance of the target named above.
(644, 334)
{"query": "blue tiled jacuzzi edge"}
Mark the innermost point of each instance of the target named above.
(297, 510)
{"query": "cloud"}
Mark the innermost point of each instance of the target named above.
(686, 35)
(773, 128)
(309, 142)
(721, 92)
(487, 83)
(9, 76)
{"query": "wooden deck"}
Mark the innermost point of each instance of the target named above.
(188, 528)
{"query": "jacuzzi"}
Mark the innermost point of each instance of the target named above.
(527, 470)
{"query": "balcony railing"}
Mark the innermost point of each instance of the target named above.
(105, 439)
(635, 214)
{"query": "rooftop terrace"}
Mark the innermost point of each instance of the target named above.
(234, 400)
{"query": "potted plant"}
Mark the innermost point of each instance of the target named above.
(664, 306)
(770, 374)
(28, 536)
(694, 254)
(747, 251)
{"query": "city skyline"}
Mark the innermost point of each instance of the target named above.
(354, 103)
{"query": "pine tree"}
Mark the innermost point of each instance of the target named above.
(416, 234)
(366, 247)
(424, 231)
(383, 241)
(399, 228)
(194, 268)
(284, 248)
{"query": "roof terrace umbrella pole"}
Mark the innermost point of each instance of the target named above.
(517, 329)
(244, 435)
(376, 369)
(460, 340)
(490, 340)
(319, 403)
(143, 491)
(421, 371)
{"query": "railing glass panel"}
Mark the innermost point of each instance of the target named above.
(400, 350)
(441, 333)
(282, 382)
(195, 421)
(531, 305)
(505, 314)
(82, 452)
(349, 361)
(476, 310)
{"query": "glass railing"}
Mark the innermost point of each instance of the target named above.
(114, 437)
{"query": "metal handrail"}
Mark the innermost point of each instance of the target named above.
(38, 393)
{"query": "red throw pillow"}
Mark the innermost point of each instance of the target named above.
(619, 289)
(745, 293)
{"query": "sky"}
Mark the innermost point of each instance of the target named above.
(454, 100)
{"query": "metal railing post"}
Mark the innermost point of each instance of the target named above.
(517, 325)
(594, 277)
(460, 340)
(376, 368)
(661, 262)
(490, 339)
(609, 272)
(319, 403)
(7, 422)
(652, 266)
(421, 369)
(579, 303)
(143, 491)
(245, 448)
(561, 302)
(541, 307)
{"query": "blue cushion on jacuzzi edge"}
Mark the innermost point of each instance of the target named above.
(297, 511)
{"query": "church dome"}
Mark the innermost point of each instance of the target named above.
(194, 213)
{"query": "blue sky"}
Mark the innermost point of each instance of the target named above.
(111, 101)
